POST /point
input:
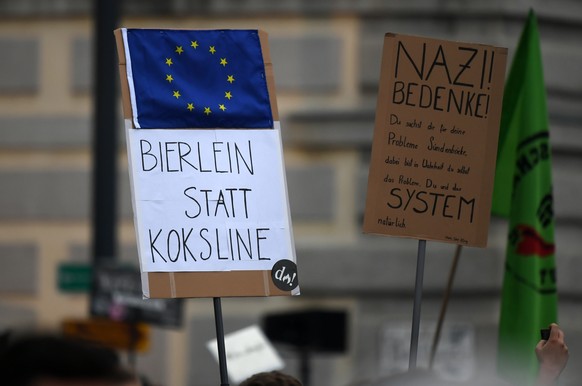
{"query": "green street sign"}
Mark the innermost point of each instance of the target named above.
(74, 277)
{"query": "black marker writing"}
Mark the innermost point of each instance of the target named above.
(201, 157)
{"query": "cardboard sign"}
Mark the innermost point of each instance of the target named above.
(435, 140)
(210, 202)
(116, 294)
(248, 352)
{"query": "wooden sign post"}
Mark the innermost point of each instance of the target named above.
(435, 143)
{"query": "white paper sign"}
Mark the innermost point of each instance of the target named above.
(248, 352)
(209, 200)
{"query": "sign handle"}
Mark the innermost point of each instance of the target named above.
(417, 301)
(220, 342)
(445, 303)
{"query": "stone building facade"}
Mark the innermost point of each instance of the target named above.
(326, 57)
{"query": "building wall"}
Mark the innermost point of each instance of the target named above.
(327, 62)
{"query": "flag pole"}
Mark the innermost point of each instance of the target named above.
(444, 305)
(417, 302)
(220, 342)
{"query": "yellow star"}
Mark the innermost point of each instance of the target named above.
(169, 61)
(169, 78)
(194, 44)
(223, 62)
(212, 50)
(190, 106)
(230, 79)
(228, 95)
(207, 111)
(222, 107)
(179, 50)
(177, 94)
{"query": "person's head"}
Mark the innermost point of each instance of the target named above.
(52, 360)
(272, 378)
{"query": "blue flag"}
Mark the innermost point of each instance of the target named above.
(197, 79)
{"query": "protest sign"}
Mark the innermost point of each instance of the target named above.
(206, 164)
(248, 352)
(116, 294)
(435, 140)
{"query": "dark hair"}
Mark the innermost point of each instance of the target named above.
(273, 378)
(31, 357)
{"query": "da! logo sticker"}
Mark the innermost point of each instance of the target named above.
(284, 275)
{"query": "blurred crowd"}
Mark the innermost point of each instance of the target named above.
(43, 359)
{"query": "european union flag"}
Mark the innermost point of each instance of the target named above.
(197, 79)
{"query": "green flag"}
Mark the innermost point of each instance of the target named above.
(523, 192)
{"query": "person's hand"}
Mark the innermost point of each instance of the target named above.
(552, 355)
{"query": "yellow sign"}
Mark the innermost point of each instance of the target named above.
(117, 335)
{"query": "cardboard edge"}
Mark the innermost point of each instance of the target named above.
(125, 97)
(426, 37)
(212, 284)
(269, 73)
